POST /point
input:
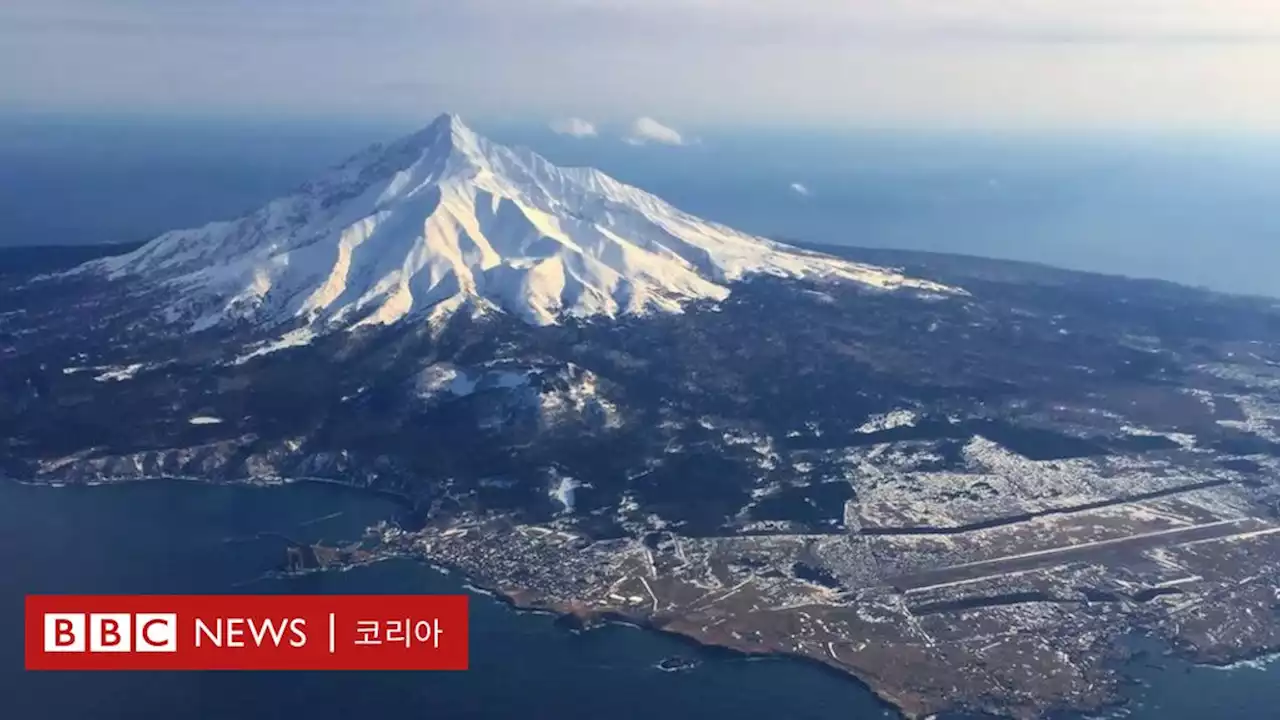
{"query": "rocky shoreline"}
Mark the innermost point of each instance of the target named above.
(388, 541)
(736, 638)
(910, 707)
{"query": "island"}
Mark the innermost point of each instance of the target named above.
(963, 482)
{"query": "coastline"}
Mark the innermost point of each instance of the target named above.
(1260, 662)
(404, 501)
(583, 618)
(577, 619)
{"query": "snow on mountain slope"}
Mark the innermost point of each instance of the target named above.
(444, 219)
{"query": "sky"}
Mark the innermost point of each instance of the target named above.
(586, 64)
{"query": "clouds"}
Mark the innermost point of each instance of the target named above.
(641, 131)
(800, 189)
(646, 130)
(980, 20)
(1094, 64)
(574, 127)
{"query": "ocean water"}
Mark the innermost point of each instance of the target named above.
(178, 537)
(1193, 209)
(1198, 211)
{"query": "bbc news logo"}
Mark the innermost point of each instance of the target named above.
(246, 632)
(110, 632)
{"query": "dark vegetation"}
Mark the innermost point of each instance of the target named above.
(1024, 360)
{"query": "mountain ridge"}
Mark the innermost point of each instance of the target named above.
(968, 504)
(444, 219)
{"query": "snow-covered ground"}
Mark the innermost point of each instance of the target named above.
(115, 374)
(889, 421)
(445, 218)
(447, 379)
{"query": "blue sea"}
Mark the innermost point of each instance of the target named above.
(181, 537)
(1197, 210)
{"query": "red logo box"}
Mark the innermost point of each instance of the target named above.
(246, 632)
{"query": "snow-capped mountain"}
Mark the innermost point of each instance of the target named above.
(444, 219)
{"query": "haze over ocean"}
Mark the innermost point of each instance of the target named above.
(1196, 209)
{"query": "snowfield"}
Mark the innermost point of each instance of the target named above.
(445, 220)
